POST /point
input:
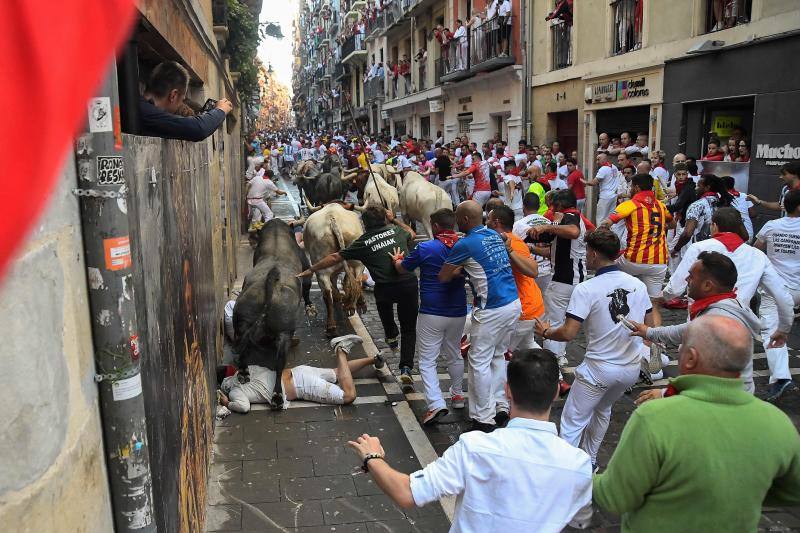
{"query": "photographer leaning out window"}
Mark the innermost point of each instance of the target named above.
(162, 101)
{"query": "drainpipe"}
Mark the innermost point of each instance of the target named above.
(117, 347)
(523, 33)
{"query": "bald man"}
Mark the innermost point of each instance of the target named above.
(747, 450)
(481, 254)
(607, 180)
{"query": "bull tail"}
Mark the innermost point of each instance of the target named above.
(273, 277)
(337, 234)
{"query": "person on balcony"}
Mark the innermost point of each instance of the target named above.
(461, 45)
(474, 25)
(504, 22)
(444, 36)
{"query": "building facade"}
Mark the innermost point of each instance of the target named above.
(599, 67)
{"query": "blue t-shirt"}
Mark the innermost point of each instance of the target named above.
(483, 255)
(436, 298)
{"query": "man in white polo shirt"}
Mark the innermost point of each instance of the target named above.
(612, 361)
(517, 479)
(607, 179)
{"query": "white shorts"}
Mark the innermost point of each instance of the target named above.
(317, 385)
(651, 275)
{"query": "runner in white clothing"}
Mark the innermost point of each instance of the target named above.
(607, 178)
(258, 190)
(612, 361)
(780, 240)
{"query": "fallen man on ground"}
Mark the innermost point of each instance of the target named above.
(321, 385)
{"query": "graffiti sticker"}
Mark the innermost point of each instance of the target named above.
(125, 389)
(100, 114)
(109, 170)
(117, 252)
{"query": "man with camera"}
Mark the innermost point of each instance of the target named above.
(165, 95)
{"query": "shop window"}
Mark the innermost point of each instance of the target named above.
(724, 14)
(425, 127)
(399, 128)
(627, 23)
(463, 125)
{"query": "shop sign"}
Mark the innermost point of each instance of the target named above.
(723, 125)
(627, 89)
(777, 155)
(384, 114)
(604, 92)
(435, 106)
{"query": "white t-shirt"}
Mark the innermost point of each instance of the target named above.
(562, 172)
(515, 202)
(662, 175)
(378, 156)
(632, 149)
(520, 229)
(743, 205)
(557, 184)
(259, 188)
(782, 236)
(608, 175)
(505, 8)
(518, 158)
(596, 303)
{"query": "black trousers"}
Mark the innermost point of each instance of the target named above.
(406, 296)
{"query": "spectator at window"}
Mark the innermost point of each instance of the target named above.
(744, 152)
(714, 153)
(164, 97)
(562, 11)
(623, 19)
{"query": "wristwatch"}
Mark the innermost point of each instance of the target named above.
(368, 458)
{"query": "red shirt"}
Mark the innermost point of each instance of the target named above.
(481, 180)
(574, 182)
(719, 156)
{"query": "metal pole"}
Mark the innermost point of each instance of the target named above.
(363, 147)
(117, 349)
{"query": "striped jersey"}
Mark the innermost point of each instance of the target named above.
(646, 219)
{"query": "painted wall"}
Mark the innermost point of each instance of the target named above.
(52, 471)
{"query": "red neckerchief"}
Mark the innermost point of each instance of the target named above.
(679, 186)
(586, 222)
(671, 391)
(645, 197)
(606, 164)
(734, 193)
(701, 304)
(447, 237)
(661, 165)
(731, 240)
(716, 157)
(708, 193)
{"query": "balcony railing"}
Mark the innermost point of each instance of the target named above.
(338, 71)
(354, 43)
(439, 70)
(487, 48)
(561, 33)
(628, 15)
(724, 15)
(373, 89)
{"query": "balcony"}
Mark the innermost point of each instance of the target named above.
(723, 15)
(561, 35)
(339, 71)
(374, 89)
(627, 25)
(375, 25)
(486, 49)
(354, 48)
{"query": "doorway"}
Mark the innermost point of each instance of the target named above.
(567, 130)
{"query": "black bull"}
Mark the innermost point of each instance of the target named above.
(265, 315)
(322, 183)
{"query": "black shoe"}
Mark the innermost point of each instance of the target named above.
(405, 376)
(380, 362)
(779, 388)
(393, 343)
(480, 426)
(501, 419)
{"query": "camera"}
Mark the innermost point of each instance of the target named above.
(209, 105)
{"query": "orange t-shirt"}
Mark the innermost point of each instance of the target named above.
(529, 294)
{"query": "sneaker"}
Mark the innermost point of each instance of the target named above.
(562, 361)
(779, 388)
(654, 364)
(457, 401)
(345, 342)
(676, 303)
(405, 376)
(379, 362)
(501, 419)
(480, 426)
(433, 415)
(393, 343)
(563, 388)
(644, 379)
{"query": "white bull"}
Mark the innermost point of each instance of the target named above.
(371, 184)
(327, 231)
(419, 199)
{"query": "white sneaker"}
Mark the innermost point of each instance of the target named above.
(345, 342)
(562, 361)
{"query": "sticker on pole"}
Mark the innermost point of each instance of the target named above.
(128, 388)
(100, 114)
(117, 252)
(109, 170)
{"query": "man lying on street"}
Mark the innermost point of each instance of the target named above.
(321, 385)
(709, 456)
(520, 478)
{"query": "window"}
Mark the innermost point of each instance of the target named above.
(561, 34)
(628, 16)
(724, 14)
(463, 123)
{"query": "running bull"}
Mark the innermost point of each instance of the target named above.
(265, 315)
(320, 182)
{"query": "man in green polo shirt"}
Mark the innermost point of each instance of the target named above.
(385, 237)
(708, 455)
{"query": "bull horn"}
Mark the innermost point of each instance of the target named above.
(359, 208)
(314, 209)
